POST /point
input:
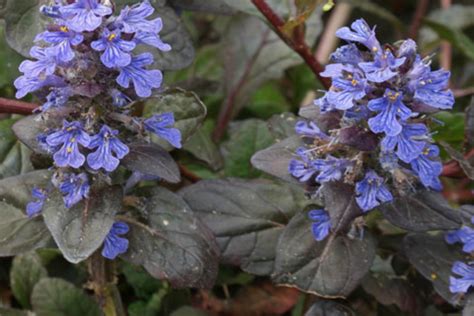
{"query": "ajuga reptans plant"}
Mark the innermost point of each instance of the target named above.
(89, 65)
(373, 126)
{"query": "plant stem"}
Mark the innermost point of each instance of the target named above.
(420, 12)
(102, 273)
(296, 42)
(16, 107)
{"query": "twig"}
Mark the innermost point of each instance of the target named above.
(459, 93)
(16, 107)
(102, 274)
(446, 50)
(296, 42)
(188, 174)
(420, 12)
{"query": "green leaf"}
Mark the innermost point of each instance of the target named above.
(9, 61)
(172, 243)
(202, 147)
(245, 138)
(14, 156)
(152, 159)
(423, 211)
(189, 112)
(454, 36)
(330, 268)
(469, 125)
(142, 282)
(25, 272)
(80, 230)
(247, 218)
(267, 101)
(18, 233)
(57, 297)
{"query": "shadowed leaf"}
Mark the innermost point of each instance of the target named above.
(423, 211)
(331, 268)
(18, 233)
(57, 297)
(247, 218)
(26, 271)
(172, 243)
(329, 308)
(80, 230)
(433, 258)
(151, 159)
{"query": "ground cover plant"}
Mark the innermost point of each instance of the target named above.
(228, 157)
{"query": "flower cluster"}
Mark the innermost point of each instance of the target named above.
(86, 62)
(464, 236)
(372, 126)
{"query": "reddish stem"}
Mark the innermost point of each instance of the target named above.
(16, 107)
(188, 174)
(297, 42)
(452, 169)
(420, 12)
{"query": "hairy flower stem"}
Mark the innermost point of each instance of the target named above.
(102, 274)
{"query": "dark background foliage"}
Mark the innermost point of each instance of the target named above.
(253, 85)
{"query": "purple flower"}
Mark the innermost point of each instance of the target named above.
(143, 80)
(56, 98)
(51, 11)
(360, 33)
(390, 107)
(464, 235)
(347, 90)
(84, 15)
(115, 245)
(69, 137)
(133, 18)
(33, 208)
(461, 285)
(44, 66)
(309, 129)
(407, 49)
(109, 150)
(74, 187)
(372, 191)
(302, 169)
(116, 50)
(330, 169)
(431, 89)
(321, 223)
(409, 142)
(347, 54)
(323, 104)
(382, 68)
(152, 38)
(162, 125)
(119, 99)
(428, 167)
(25, 84)
(63, 40)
